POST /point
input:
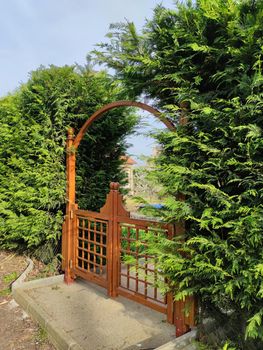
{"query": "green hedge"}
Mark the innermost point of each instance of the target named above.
(208, 54)
(34, 123)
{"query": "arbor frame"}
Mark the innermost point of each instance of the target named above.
(175, 313)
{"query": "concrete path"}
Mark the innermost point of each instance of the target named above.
(81, 316)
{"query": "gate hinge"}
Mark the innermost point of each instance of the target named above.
(71, 214)
(70, 264)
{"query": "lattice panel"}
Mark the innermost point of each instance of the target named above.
(92, 245)
(141, 275)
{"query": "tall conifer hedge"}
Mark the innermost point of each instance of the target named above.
(34, 123)
(207, 53)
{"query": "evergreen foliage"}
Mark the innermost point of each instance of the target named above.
(34, 123)
(208, 54)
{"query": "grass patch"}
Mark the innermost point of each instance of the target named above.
(10, 277)
(41, 336)
(5, 292)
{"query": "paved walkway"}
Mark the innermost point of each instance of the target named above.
(81, 316)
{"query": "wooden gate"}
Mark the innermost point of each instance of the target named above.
(109, 249)
(94, 245)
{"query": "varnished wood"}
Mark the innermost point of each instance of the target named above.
(92, 214)
(98, 114)
(116, 199)
(181, 327)
(112, 273)
(138, 298)
(114, 196)
(70, 208)
(170, 308)
(90, 277)
(191, 305)
(86, 249)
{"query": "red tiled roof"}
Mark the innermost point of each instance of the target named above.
(128, 160)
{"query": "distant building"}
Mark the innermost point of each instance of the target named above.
(156, 150)
(128, 168)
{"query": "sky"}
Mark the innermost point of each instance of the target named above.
(59, 32)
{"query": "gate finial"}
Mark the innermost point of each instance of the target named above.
(114, 186)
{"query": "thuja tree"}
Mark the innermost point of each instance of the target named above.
(207, 55)
(34, 123)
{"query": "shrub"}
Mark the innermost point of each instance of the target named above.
(207, 55)
(32, 146)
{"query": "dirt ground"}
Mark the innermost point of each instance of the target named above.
(17, 330)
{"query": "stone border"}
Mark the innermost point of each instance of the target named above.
(20, 280)
(37, 283)
(60, 339)
(184, 342)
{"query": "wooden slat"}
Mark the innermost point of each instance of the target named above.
(91, 214)
(144, 223)
(105, 237)
(110, 242)
(91, 277)
(140, 299)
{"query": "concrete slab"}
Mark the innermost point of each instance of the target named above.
(185, 342)
(81, 316)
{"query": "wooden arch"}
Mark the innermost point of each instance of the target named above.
(73, 143)
(99, 113)
(113, 211)
(72, 146)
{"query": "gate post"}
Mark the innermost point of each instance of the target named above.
(179, 306)
(117, 200)
(70, 209)
(170, 317)
(111, 206)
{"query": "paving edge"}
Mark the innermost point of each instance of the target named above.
(23, 275)
(184, 342)
(41, 282)
(60, 339)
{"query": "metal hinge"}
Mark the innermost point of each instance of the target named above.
(71, 214)
(70, 264)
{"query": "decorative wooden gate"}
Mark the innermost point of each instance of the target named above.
(94, 244)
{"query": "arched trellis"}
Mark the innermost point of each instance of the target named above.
(72, 146)
(112, 210)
